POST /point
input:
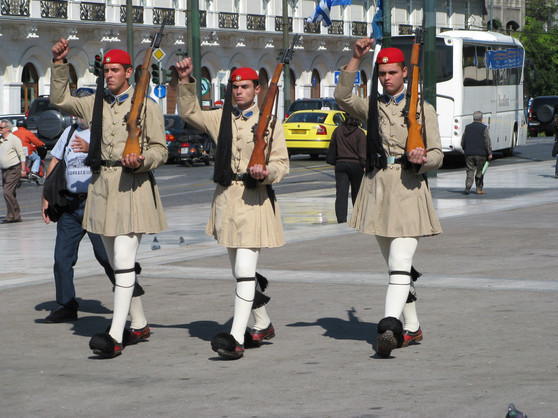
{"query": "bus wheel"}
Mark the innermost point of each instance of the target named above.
(508, 152)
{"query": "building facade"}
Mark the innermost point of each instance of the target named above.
(234, 33)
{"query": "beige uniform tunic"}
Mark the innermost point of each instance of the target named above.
(119, 201)
(394, 202)
(240, 217)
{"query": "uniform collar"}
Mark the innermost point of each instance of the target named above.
(111, 98)
(395, 99)
(245, 114)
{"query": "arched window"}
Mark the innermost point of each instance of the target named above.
(362, 89)
(73, 77)
(29, 86)
(172, 91)
(206, 98)
(293, 84)
(315, 92)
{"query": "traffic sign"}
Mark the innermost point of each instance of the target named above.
(357, 79)
(160, 91)
(159, 54)
(204, 86)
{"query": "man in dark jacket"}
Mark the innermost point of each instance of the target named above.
(476, 146)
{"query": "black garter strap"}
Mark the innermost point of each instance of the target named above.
(245, 279)
(133, 269)
(402, 273)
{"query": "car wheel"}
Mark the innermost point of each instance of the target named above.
(206, 161)
(508, 152)
(314, 156)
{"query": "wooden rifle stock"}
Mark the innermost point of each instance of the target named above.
(134, 131)
(414, 139)
(258, 154)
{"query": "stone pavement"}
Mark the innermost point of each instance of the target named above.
(488, 290)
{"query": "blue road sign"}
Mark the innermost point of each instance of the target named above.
(357, 79)
(160, 91)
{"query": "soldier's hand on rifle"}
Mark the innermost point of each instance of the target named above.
(60, 50)
(257, 171)
(417, 156)
(132, 161)
(184, 68)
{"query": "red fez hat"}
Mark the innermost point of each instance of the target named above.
(117, 56)
(244, 73)
(390, 56)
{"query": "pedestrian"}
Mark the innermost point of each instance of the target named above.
(244, 216)
(394, 203)
(123, 200)
(30, 141)
(350, 142)
(476, 146)
(12, 163)
(69, 230)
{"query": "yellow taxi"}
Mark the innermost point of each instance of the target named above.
(309, 131)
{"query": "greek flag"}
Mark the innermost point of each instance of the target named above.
(322, 11)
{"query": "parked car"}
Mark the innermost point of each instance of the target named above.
(13, 119)
(542, 114)
(47, 121)
(309, 131)
(309, 104)
(185, 143)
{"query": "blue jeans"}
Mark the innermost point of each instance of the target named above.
(36, 162)
(69, 234)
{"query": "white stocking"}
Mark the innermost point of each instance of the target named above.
(243, 263)
(261, 318)
(122, 250)
(398, 253)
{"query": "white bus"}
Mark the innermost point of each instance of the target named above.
(478, 71)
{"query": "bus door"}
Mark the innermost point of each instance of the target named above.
(445, 110)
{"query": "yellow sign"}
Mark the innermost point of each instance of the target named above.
(159, 54)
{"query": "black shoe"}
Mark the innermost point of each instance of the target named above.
(62, 314)
(134, 336)
(11, 221)
(105, 346)
(226, 346)
(390, 336)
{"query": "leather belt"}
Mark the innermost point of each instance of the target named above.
(111, 163)
(239, 177)
(80, 196)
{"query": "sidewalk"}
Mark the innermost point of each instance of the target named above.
(486, 298)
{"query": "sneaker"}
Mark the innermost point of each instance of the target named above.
(481, 192)
(105, 346)
(227, 347)
(62, 314)
(466, 191)
(134, 336)
(411, 337)
(33, 176)
(258, 335)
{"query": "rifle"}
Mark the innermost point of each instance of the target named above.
(134, 131)
(414, 139)
(258, 154)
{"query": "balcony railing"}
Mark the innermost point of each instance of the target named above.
(255, 22)
(360, 29)
(15, 7)
(228, 20)
(312, 27)
(336, 27)
(161, 15)
(279, 24)
(54, 9)
(137, 14)
(92, 11)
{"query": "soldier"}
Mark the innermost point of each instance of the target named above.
(244, 217)
(394, 202)
(123, 200)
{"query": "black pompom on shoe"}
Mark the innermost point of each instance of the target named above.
(105, 346)
(226, 346)
(390, 336)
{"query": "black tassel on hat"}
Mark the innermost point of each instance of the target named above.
(93, 159)
(375, 153)
(222, 171)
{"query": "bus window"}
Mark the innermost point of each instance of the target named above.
(475, 72)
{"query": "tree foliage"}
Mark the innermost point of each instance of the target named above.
(539, 37)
